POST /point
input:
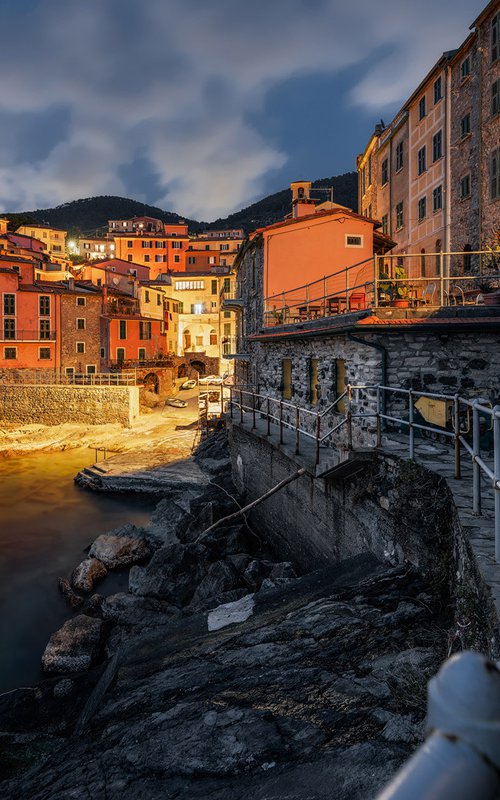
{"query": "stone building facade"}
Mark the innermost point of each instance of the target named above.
(80, 339)
(432, 176)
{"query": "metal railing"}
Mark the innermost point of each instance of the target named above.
(31, 377)
(405, 280)
(465, 421)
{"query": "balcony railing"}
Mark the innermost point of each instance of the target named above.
(48, 377)
(167, 361)
(27, 336)
(428, 280)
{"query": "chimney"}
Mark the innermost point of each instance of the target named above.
(302, 204)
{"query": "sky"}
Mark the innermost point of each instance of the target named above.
(203, 106)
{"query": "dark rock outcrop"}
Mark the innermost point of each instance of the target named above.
(88, 573)
(74, 647)
(119, 551)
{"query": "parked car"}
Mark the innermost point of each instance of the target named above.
(215, 379)
(176, 402)
(190, 384)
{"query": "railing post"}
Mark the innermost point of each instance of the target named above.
(318, 435)
(324, 295)
(253, 411)
(241, 406)
(379, 425)
(349, 417)
(476, 469)
(496, 450)
(268, 416)
(441, 278)
(347, 289)
(456, 411)
(410, 421)
(297, 430)
(281, 421)
(375, 280)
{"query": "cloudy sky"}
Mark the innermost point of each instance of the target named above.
(202, 106)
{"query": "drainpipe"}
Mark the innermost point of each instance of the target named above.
(383, 363)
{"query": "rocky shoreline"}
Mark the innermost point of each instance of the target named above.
(222, 671)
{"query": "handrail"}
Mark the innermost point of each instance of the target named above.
(293, 417)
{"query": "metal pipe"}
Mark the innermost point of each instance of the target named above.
(461, 758)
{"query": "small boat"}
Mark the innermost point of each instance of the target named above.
(190, 384)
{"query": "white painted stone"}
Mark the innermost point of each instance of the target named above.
(231, 613)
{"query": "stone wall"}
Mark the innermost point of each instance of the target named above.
(383, 509)
(53, 405)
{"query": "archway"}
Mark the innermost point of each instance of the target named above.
(152, 382)
(182, 371)
(199, 366)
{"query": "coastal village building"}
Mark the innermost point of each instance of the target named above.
(53, 239)
(152, 243)
(213, 249)
(92, 248)
(431, 175)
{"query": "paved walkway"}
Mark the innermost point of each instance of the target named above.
(433, 455)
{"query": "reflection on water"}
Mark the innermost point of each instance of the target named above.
(46, 522)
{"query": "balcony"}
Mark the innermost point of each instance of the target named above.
(27, 336)
(231, 347)
(128, 308)
(230, 301)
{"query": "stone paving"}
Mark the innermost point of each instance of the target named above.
(432, 455)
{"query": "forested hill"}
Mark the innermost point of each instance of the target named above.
(90, 216)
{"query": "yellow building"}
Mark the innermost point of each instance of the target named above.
(149, 293)
(53, 239)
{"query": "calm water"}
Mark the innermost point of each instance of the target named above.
(46, 522)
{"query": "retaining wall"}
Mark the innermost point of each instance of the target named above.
(52, 405)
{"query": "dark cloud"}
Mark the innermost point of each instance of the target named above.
(100, 90)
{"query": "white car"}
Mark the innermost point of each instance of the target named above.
(215, 379)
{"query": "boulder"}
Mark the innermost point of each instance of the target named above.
(253, 575)
(130, 610)
(221, 577)
(69, 594)
(168, 521)
(119, 551)
(74, 647)
(87, 574)
(173, 573)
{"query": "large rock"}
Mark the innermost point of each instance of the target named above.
(74, 647)
(173, 573)
(119, 551)
(69, 593)
(87, 574)
(134, 611)
(221, 577)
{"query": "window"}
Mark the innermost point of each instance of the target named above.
(197, 308)
(286, 379)
(465, 125)
(177, 245)
(400, 220)
(160, 244)
(437, 146)
(199, 341)
(129, 258)
(438, 90)
(158, 299)
(144, 330)
(467, 257)
(227, 314)
(213, 287)
(422, 209)
(385, 223)
(10, 353)
(146, 245)
(495, 174)
(340, 383)
(81, 301)
(465, 187)
(146, 296)
(91, 369)
(313, 381)
(495, 38)
(44, 305)
(9, 304)
(465, 68)
(130, 243)
(369, 170)
(421, 160)
(495, 97)
(224, 247)
(120, 354)
(399, 156)
(9, 329)
(45, 329)
(103, 352)
(44, 353)
(385, 171)
(122, 333)
(211, 259)
(146, 259)
(185, 285)
(160, 259)
(142, 354)
(80, 324)
(422, 263)
(353, 241)
(421, 108)
(213, 337)
(191, 260)
(177, 259)
(437, 198)
(80, 347)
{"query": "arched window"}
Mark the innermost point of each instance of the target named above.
(187, 339)
(213, 337)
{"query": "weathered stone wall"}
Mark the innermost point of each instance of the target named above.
(384, 510)
(89, 335)
(490, 133)
(52, 405)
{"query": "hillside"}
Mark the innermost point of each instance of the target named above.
(90, 216)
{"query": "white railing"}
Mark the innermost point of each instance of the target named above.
(29, 377)
(464, 423)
